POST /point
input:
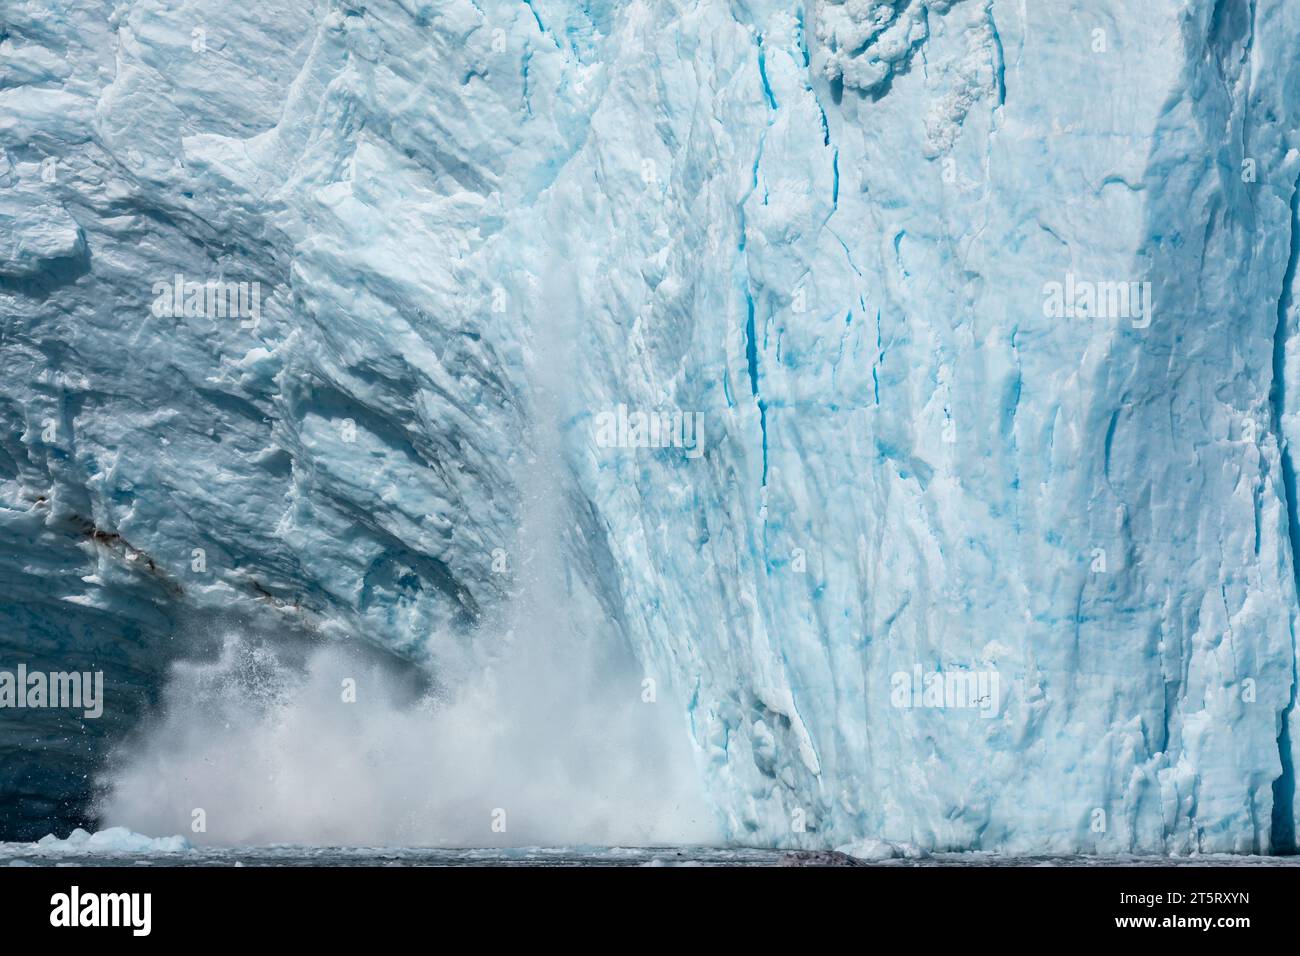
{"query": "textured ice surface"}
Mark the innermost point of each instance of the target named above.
(478, 225)
(114, 841)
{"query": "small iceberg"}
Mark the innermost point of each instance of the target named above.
(112, 840)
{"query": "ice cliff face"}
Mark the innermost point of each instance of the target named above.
(986, 308)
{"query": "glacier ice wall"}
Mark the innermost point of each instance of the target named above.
(479, 226)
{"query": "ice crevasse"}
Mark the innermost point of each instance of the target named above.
(984, 309)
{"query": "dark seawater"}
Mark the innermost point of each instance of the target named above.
(13, 854)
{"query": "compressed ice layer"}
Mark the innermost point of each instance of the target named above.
(828, 229)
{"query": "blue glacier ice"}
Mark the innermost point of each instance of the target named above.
(987, 310)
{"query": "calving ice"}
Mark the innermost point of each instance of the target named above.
(654, 429)
(1084, 299)
(74, 908)
(66, 689)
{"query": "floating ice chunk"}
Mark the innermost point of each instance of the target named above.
(111, 841)
(872, 849)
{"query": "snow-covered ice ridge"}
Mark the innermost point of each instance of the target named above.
(885, 249)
